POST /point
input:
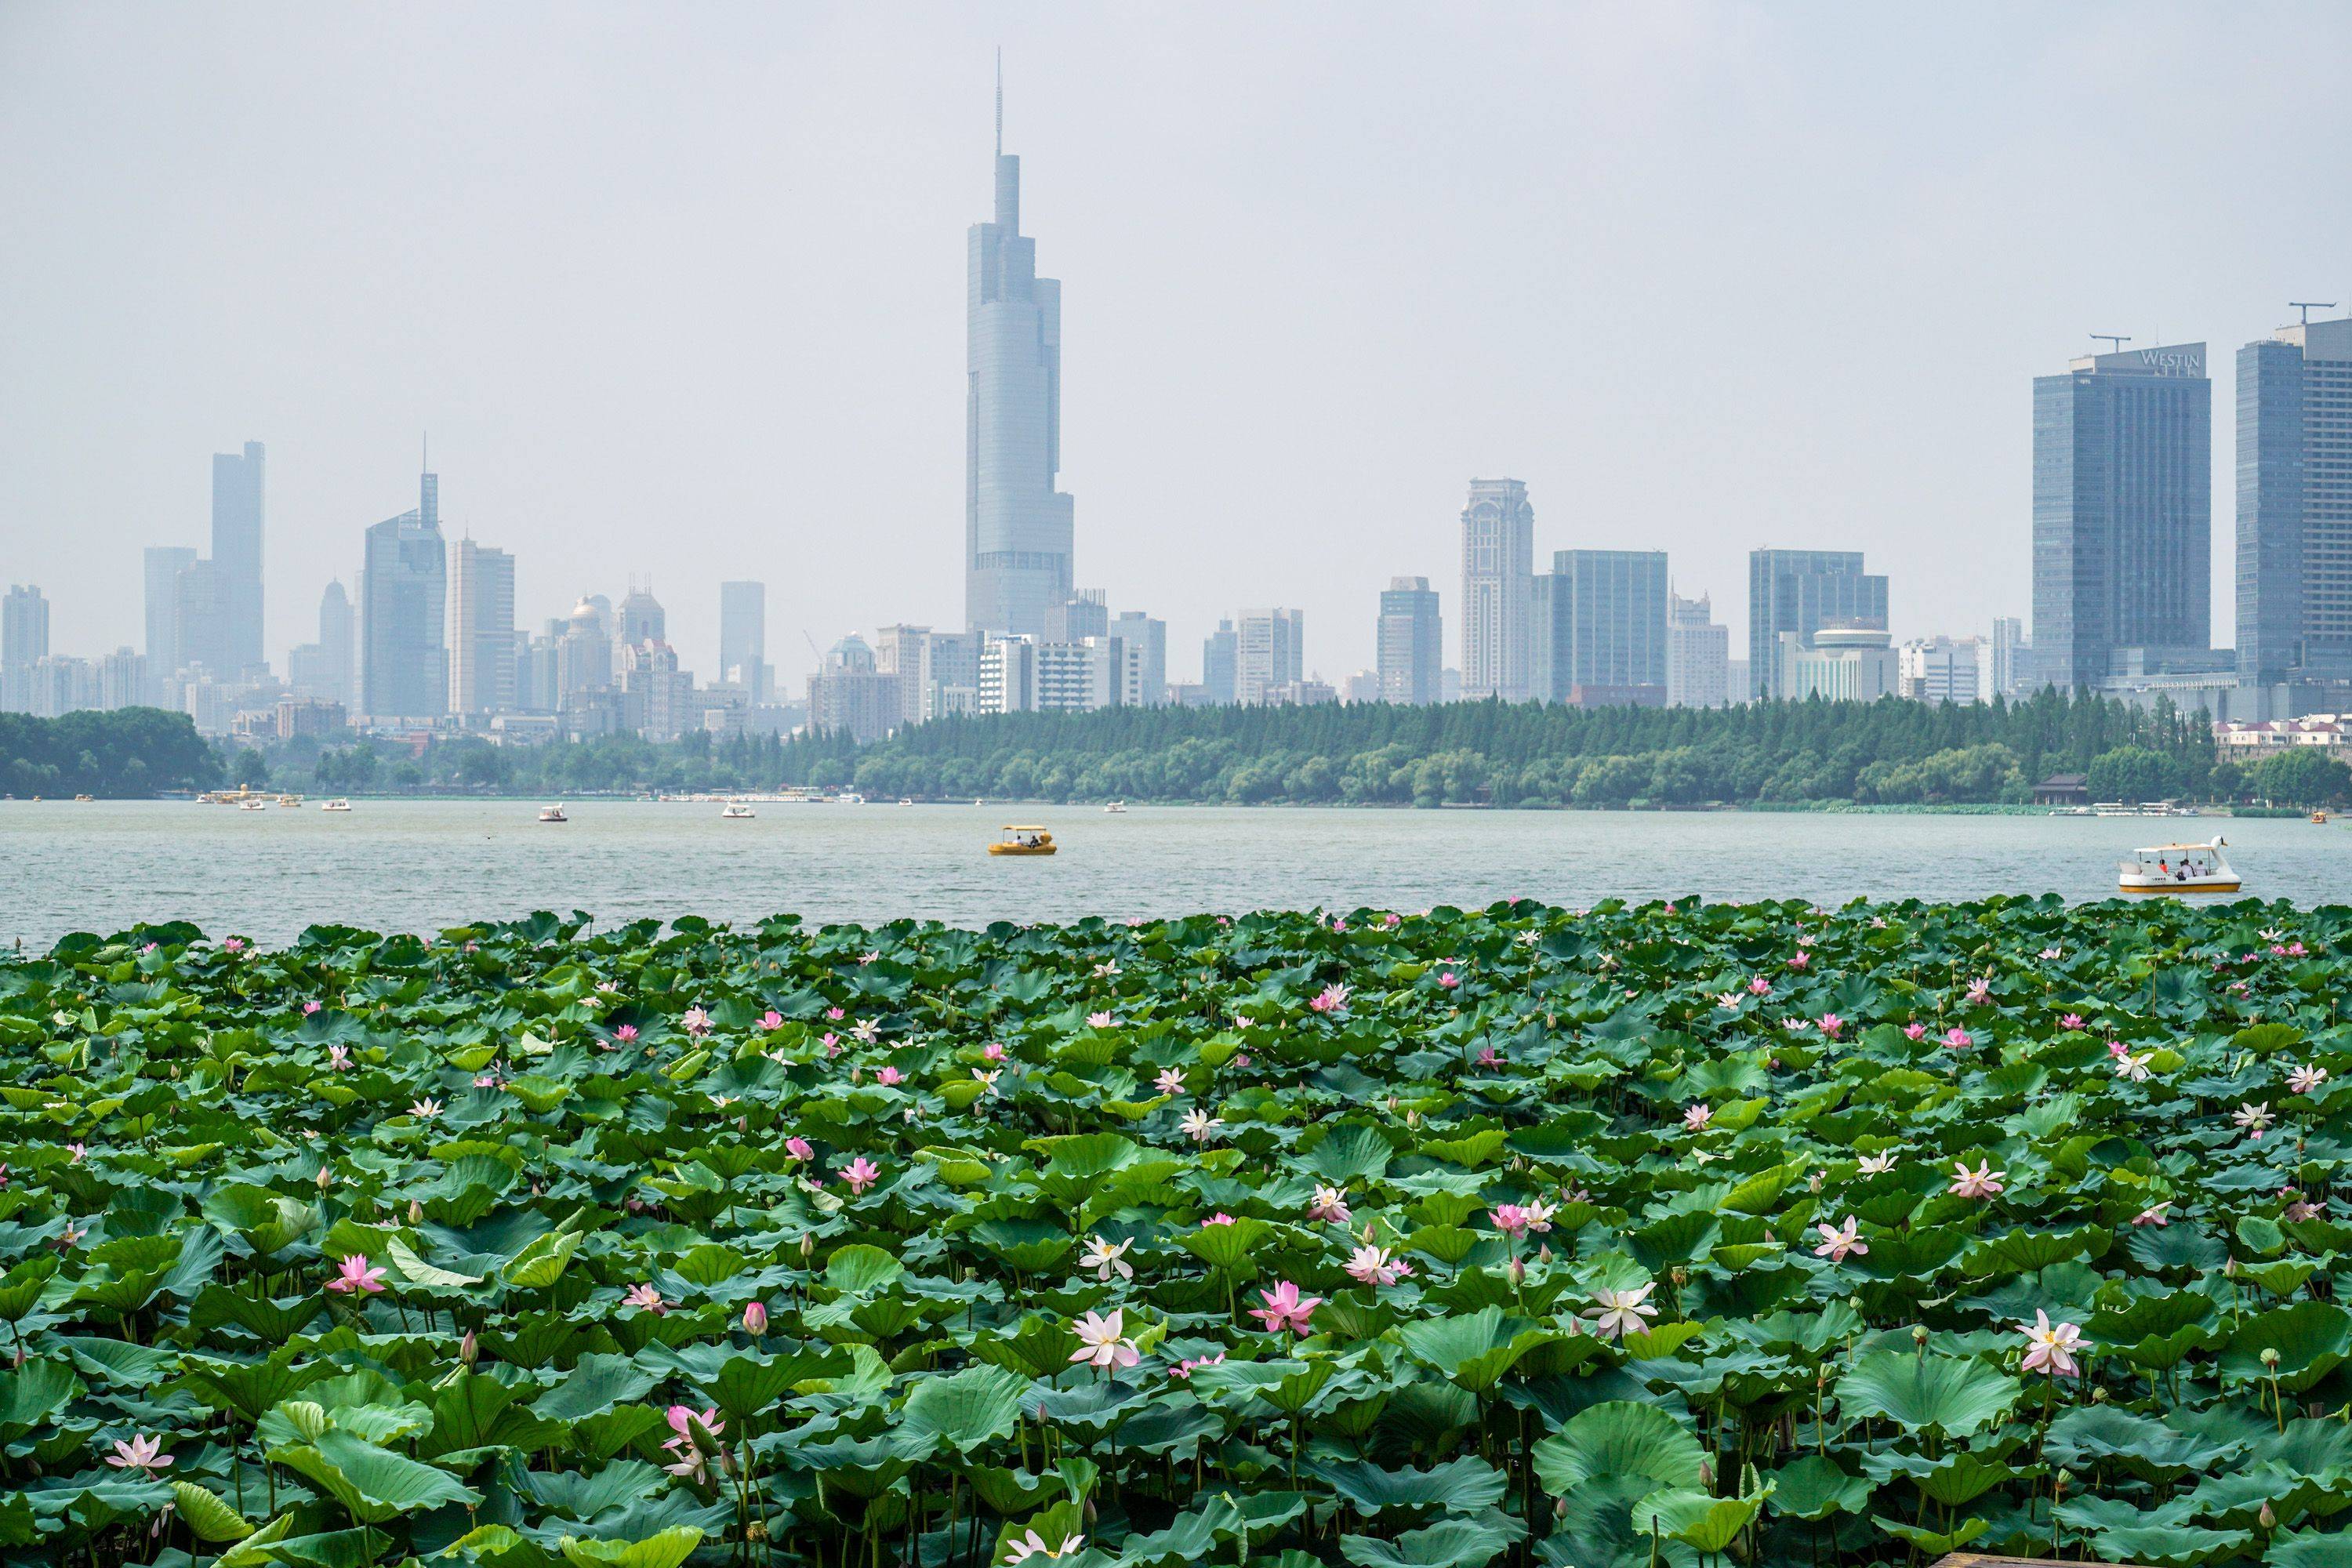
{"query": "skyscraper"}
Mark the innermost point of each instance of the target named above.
(1803, 591)
(23, 644)
(1698, 655)
(2012, 659)
(1602, 641)
(1085, 614)
(2295, 504)
(322, 670)
(1269, 651)
(1218, 652)
(1411, 643)
(743, 637)
(237, 557)
(1498, 544)
(164, 566)
(481, 628)
(642, 620)
(1148, 635)
(2122, 510)
(1018, 529)
(404, 613)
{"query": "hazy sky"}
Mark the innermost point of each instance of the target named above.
(679, 289)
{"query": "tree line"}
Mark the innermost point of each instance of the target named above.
(1886, 753)
(125, 753)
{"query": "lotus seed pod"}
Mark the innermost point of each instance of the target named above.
(1918, 1333)
(2270, 1357)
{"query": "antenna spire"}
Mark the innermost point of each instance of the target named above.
(424, 453)
(1000, 100)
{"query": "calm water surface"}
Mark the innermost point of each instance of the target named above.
(423, 865)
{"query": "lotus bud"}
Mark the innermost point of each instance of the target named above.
(326, 1178)
(1412, 1119)
(808, 1247)
(1813, 1182)
(416, 1212)
(2098, 1396)
(1543, 1253)
(1707, 1473)
(2266, 1519)
(469, 1348)
(307, 1419)
(1518, 1272)
(755, 1320)
(1559, 1508)
(2230, 1268)
(1679, 1274)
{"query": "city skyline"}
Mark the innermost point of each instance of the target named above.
(1225, 402)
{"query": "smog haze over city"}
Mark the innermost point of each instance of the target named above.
(678, 293)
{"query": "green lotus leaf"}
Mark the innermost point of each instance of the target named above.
(374, 1484)
(1706, 1524)
(1619, 1438)
(1813, 1487)
(1955, 1394)
(1449, 1543)
(959, 1413)
(1461, 1485)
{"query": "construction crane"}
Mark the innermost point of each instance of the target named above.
(2115, 338)
(2308, 306)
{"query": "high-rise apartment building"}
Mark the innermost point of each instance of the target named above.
(2294, 505)
(1698, 653)
(165, 562)
(122, 679)
(322, 670)
(23, 644)
(2011, 674)
(1601, 629)
(1219, 651)
(404, 613)
(237, 557)
(1940, 670)
(481, 628)
(1147, 637)
(743, 637)
(1018, 527)
(1803, 591)
(1085, 614)
(2123, 504)
(1411, 643)
(939, 672)
(1269, 650)
(848, 695)
(642, 618)
(1498, 544)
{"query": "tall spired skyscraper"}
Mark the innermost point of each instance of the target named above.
(1017, 526)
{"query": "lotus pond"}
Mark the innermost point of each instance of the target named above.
(1603, 1239)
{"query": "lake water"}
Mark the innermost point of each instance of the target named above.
(423, 865)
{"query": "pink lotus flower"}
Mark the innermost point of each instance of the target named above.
(2071, 1021)
(1392, 920)
(1449, 980)
(1837, 1243)
(2252, 1117)
(2306, 1079)
(993, 1051)
(1979, 990)
(339, 1060)
(79, 1153)
(697, 1021)
(1219, 1217)
(309, 1008)
(797, 1147)
(1170, 1081)
(861, 1174)
(234, 944)
(890, 1078)
(1615, 1313)
(772, 1019)
(1759, 986)
(834, 1014)
(142, 1453)
(1800, 960)
(1508, 1218)
(1487, 1058)
(1877, 1164)
(1329, 1206)
(357, 1278)
(1332, 999)
(1099, 1021)
(1371, 1265)
(2050, 953)
(1103, 1341)
(645, 1298)
(2154, 1215)
(1831, 1024)
(1981, 1182)
(684, 1419)
(1182, 1370)
(1696, 1118)
(1915, 1030)
(2050, 1346)
(1285, 1309)
(626, 1032)
(1958, 1039)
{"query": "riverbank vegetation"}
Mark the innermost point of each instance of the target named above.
(1887, 753)
(1642, 1237)
(128, 752)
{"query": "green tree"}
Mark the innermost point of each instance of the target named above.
(2301, 776)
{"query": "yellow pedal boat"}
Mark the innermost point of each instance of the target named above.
(1024, 841)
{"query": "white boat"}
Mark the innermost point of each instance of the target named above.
(256, 804)
(852, 798)
(904, 801)
(1116, 808)
(338, 804)
(2177, 869)
(736, 811)
(552, 814)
